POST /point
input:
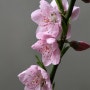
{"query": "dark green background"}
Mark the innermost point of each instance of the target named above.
(17, 34)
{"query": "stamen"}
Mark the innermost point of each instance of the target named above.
(53, 17)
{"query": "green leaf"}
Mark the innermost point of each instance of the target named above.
(64, 50)
(53, 85)
(39, 62)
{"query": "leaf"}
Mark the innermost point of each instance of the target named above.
(53, 85)
(39, 62)
(64, 50)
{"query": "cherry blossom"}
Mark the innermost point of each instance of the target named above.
(74, 15)
(49, 50)
(75, 12)
(48, 20)
(35, 78)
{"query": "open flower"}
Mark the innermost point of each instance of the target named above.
(48, 20)
(49, 50)
(75, 12)
(74, 15)
(35, 78)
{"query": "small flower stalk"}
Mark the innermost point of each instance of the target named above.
(53, 33)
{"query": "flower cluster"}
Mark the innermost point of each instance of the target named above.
(49, 30)
(49, 33)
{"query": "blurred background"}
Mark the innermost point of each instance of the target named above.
(17, 34)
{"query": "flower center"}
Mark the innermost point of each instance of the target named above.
(43, 82)
(53, 17)
(37, 80)
(46, 20)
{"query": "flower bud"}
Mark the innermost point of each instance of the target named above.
(86, 1)
(79, 45)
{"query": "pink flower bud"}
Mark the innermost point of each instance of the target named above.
(86, 1)
(79, 45)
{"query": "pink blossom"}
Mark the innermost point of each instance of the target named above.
(64, 2)
(35, 78)
(74, 16)
(48, 19)
(75, 12)
(49, 50)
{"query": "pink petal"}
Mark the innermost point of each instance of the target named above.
(56, 55)
(36, 16)
(49, 50)
(51, 30)
(21, 76)
(44, 4)
(75, 13)
(69, 32)
(51, 40)
(26, 88)
(37, 88)
(43, 72)
(40, 32)
(48, 85)
(45, 7)
(65, 4)
(46, 88)
(33, 72)
(46, 61)
(37, 46)
(55, 46)
(54, 5)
